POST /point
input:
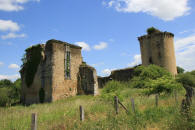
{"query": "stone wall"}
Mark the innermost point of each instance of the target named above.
(102, 81)
(87, 80)
(62, 86)
(123, 75)
(30, 94)
(158, 49)
(50, 74)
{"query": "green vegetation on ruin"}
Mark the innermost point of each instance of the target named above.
(31, 63)
(152, 30)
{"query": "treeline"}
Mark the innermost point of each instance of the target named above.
(9, 92)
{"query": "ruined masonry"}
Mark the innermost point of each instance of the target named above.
(56, 70)
(60, 73)
(158, 48)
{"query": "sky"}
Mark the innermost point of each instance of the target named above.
(106, 29)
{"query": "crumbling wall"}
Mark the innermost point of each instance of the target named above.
(61, 86)
(124, 75)
(87, 80)
(102, 81)
(30, 93)
(49, 82)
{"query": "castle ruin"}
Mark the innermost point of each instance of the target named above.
(55, 70)
(158, 48)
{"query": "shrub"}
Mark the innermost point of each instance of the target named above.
(180, 70)
(161, 85)
(187, 79)
(5, 83)
(10, 92)
(4, 97)
(152, 30)
(150, 72)
(113, 88)
(154, 79)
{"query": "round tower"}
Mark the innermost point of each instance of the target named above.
(158, 48)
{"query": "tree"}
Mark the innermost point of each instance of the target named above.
(5, 83)
(180, 70)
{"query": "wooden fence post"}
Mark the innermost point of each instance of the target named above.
(82, 117)
(34, 121)
(156, 97)
(133, 105)
(116, 104)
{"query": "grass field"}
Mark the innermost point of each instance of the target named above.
(100, 114)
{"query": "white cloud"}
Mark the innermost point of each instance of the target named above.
(13, 66)
(100, 46)
(136, 61)
(13, 35)
(1, 63)
(14, 5)
(10, 77)
(185, 51)
(84, 46)
(106, 72)
(182, 43)
(164, 9)
(8, 25)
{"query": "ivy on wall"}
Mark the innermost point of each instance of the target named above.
(41, 95)
(32, 61)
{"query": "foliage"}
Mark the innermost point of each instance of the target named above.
(180, 70)
(152, 30)
(164, 84)
(113, 88)
(5, 94)
(41, 95)
(192, 72)
(150, 72)
(9, 92)
(187, 79)
(100, 114)
(5, 83)
(154, 79)
(31, 63)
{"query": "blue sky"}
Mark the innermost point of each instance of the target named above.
(106, 29)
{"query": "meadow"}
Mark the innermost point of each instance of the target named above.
(100, 113)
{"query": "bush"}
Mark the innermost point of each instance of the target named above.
(161, 85)
(154, 79)
(5, 83)
(113, 88)
(187, 79)
(10, 92)
(180, 70)
(152, 30)
(4, 97)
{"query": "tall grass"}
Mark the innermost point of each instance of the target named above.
(100, 114)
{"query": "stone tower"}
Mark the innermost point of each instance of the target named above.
(158, 48)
